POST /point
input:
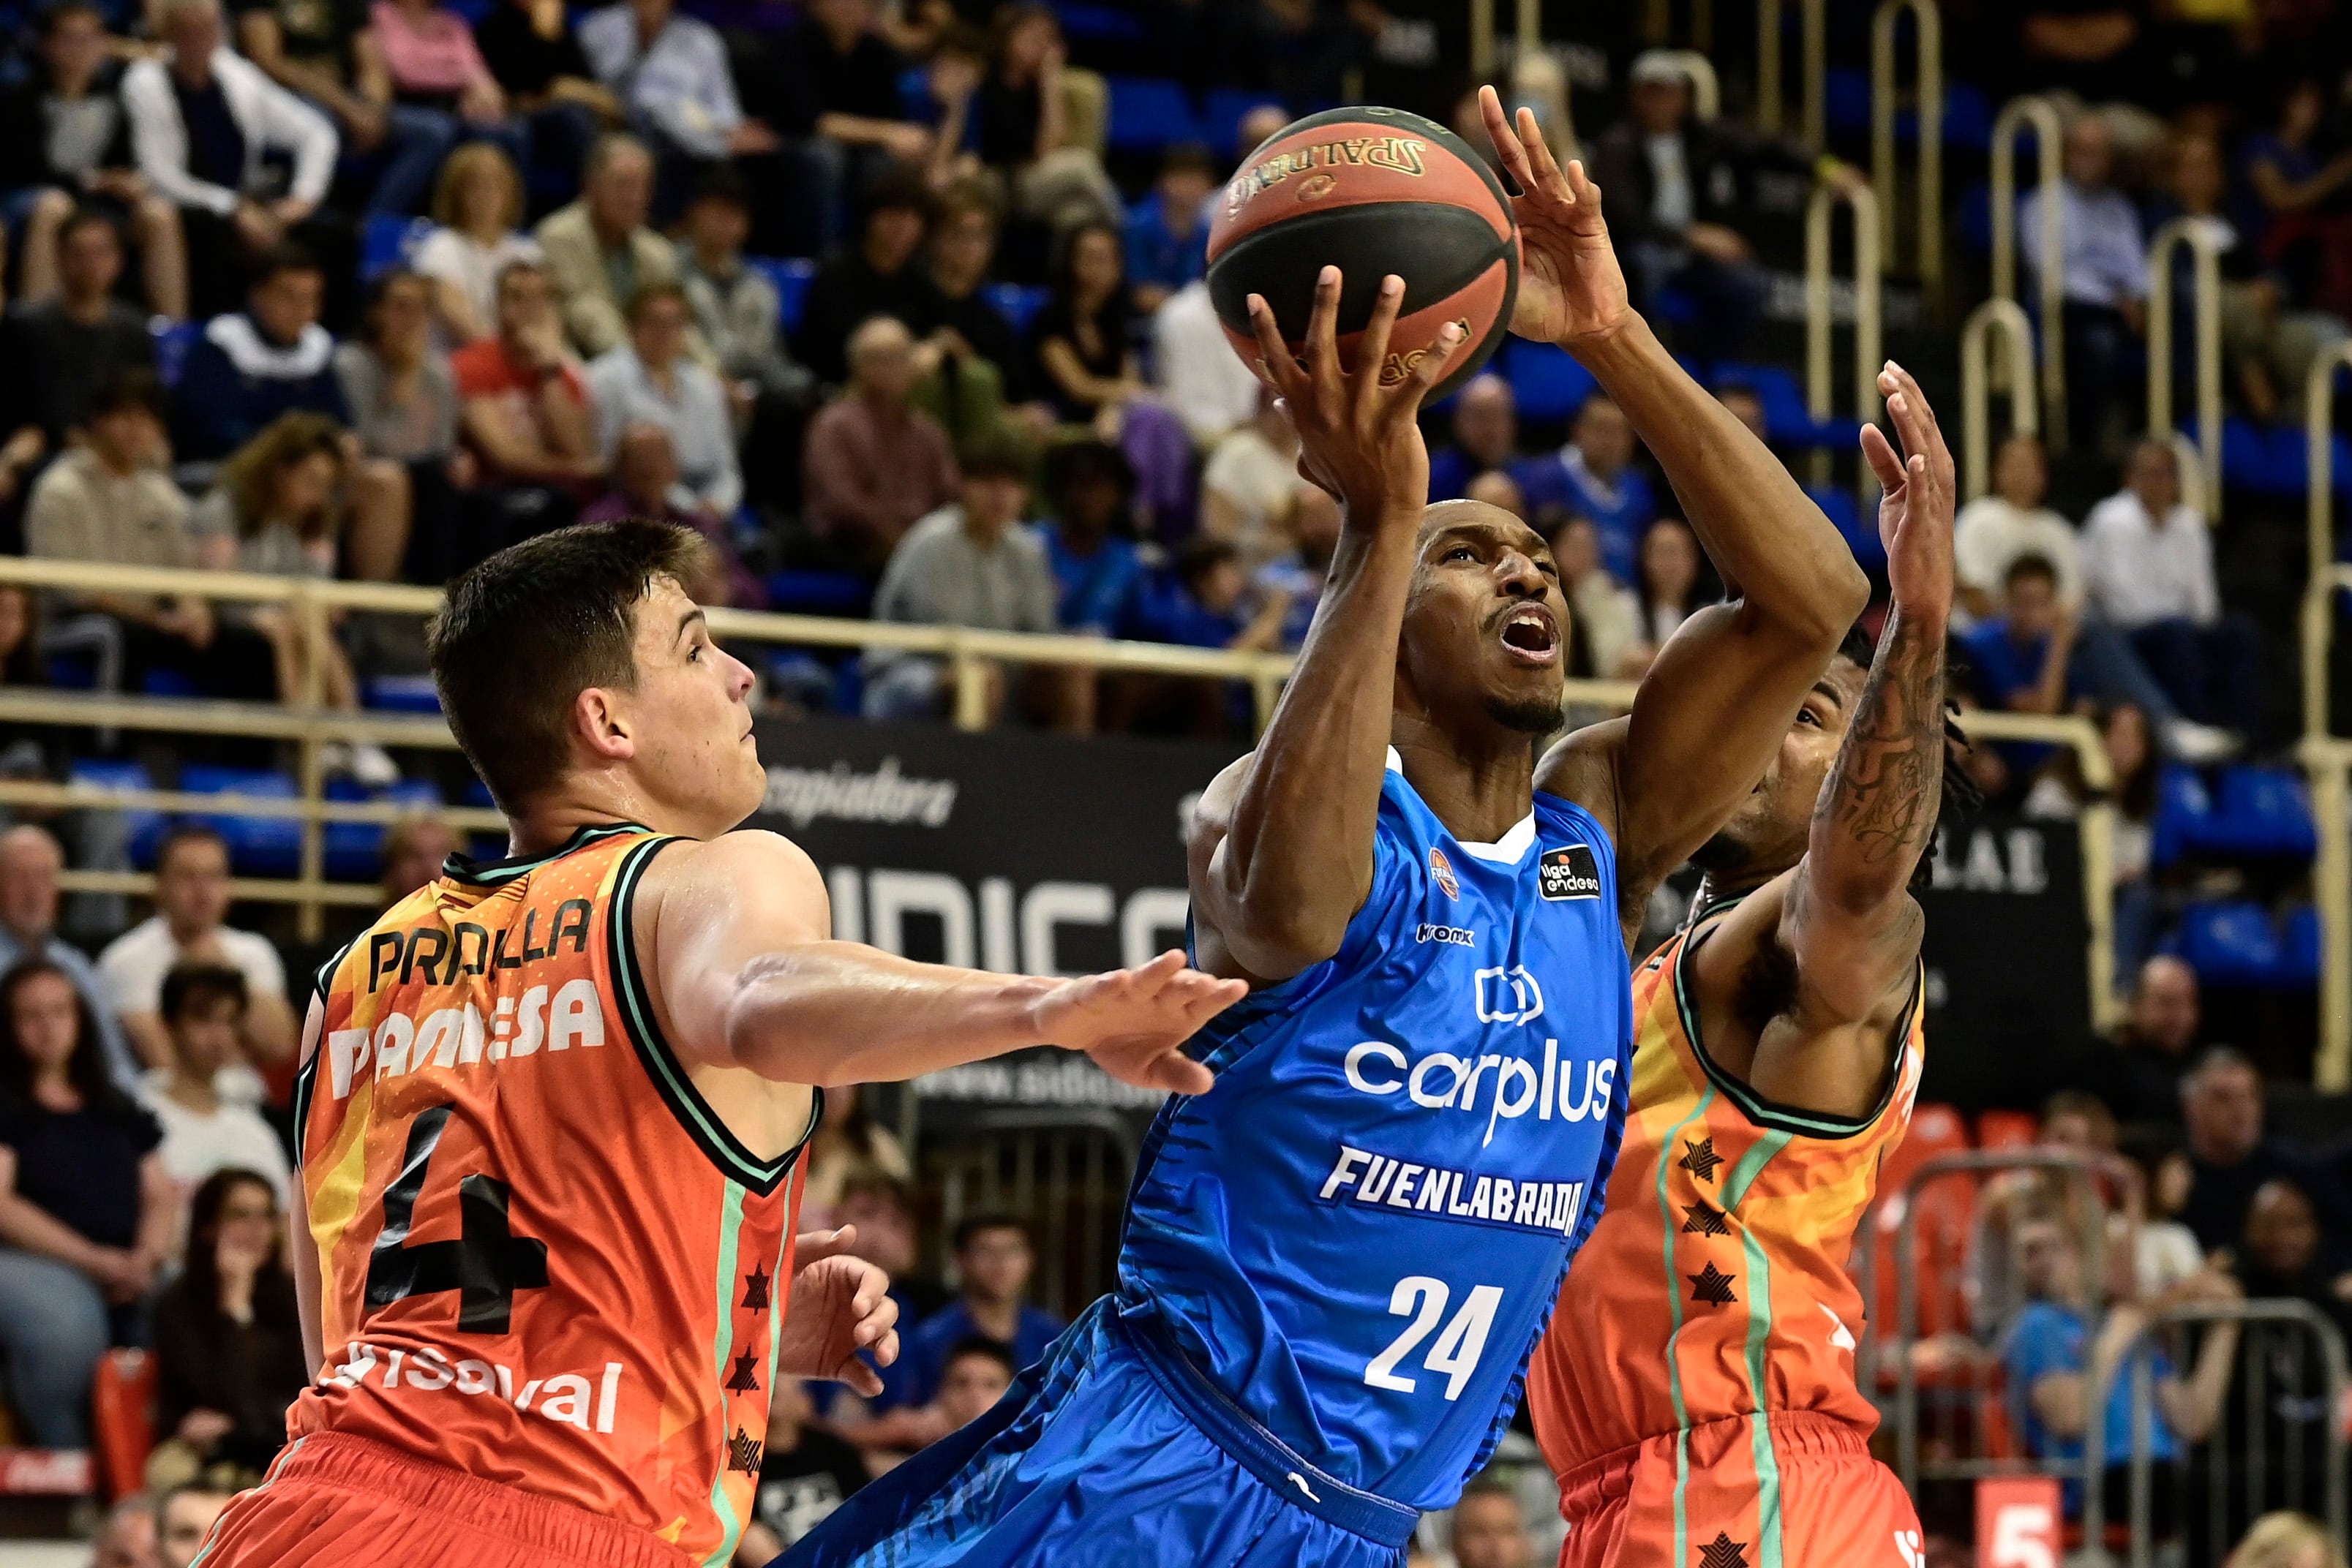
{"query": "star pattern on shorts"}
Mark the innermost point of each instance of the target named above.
(1712, 1286)
(1705, 1219)
(743, 1454)
(1723, 1552)
(742, 1380)
(755, 1289)
(1700, 1159)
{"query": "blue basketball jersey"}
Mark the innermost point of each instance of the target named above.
(1359, 1234)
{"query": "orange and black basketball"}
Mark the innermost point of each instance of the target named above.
(1372, 191)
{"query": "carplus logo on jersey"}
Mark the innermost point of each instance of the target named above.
(1442, 1080)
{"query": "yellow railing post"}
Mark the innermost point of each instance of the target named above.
(316, 636)
(2206, 251)
(1530, 27)
(1820, 389)
(2006, 320)
(2325, 757)
(1928, 24)
(2319, 531)
(1814, 15)
(2049, 132)
(1813, 19)
(1482, 39)
(1768, 66)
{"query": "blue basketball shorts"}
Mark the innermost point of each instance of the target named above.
(1113, 1449)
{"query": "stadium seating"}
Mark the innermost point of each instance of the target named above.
(257, 846)
(122, 1398)
(353, 852)
(2258, 810)
(1547, 382)
(791, 278)
(2229, 943)
(1147, 113)
(2006, 1129)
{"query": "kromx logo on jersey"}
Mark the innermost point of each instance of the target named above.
(1508, 996)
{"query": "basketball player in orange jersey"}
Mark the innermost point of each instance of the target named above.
(1695, 1392)
(552, 1110)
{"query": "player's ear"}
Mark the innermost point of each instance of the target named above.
(600, 718)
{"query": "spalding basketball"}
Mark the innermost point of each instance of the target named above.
(1371, 192)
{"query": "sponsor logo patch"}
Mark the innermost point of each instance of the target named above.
(1569, 872)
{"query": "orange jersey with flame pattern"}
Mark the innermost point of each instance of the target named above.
(1715, 1286)
(544, 1260)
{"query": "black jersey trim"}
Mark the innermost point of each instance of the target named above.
(1769, 1113)
(465, 869)
(694, 1113)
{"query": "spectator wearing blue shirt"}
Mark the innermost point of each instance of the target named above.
(1296, 576)
(1167, 232)
(1098, 575)
(2054, 1362)
(1485, 438)
(994, 1260)
(2103, 261)
(1593, 476)
(2018, 660)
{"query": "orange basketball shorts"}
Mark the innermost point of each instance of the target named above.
(1798, 1489)
(354, 1502)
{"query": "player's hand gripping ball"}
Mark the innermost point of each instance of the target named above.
(1371, 192)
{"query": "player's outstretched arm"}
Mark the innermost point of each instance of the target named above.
(737, 936)
(1282, 848)
(1849, 918)
(1723, 690)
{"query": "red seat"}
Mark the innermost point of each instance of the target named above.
(124, 1395)
(1946, 1208)
(2008, 1130)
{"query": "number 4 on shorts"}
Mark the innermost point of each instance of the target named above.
(1457, 1350)
(486, 1265)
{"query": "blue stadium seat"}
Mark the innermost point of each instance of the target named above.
(2299, 947)
(1018, 302)
(399, 694)
(1968, 119)
(818, 593)
(1100, 21)
(2183, 805)
(140, 827)
(1976, 218)
(791, 274)
(171, 344)
(804, 677)
(1546, 381)
(2232, 944)
(1788, 421)
(257, 846)
(1861, 534)
(2258, 810)
(161, 682)
(389, 240)
(1845, 99)
(353, 852)
(1222, 118)
(1149, 113)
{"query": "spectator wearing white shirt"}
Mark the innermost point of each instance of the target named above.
(1247, 488)
(1993, 530)
(649, 379)
(30, 862)
(476, 205)
(2104, 257)
(203, 1096)
(192, 901)
(204, 125)
(1199, 375)
(2147, 567)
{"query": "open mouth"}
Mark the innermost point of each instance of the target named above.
(1531, 635)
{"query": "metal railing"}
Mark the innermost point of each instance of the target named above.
(2327, 760)
(2006, 319)
(2303, 1411)
(2041, 116)
(1482, 33)
(2205, 251)
(1815, 20)
(1868, 333)
(1928, 22)
(969, 653)
(1063, 1172)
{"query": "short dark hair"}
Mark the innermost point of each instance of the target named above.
(996, 454)
(133, 387)
(866, 1180)
(721, 182)
(188, 830)
(898, 189)
(192, 986)
(2214, 1056)
(2032, 563)
(522, 634)
(1189, 157)
(1197, 558)
(290, 256)
(979, 1345)
(61, 9)
(972, 1225)
(645, 294)
(87, 215)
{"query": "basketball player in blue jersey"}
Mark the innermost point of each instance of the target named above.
(1338, 1258)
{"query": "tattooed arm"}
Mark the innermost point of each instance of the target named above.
(1801, 986)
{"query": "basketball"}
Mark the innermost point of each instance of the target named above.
(1372, 191)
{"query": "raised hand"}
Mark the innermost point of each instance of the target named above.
(1571, 288)
(840, 1305)
(1134, 1022)
(1358, 438)
(1915, 516)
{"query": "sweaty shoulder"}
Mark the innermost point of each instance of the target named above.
(749, 880)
